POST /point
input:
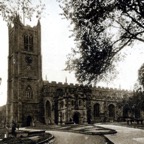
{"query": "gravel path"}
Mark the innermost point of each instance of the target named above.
(125, 135)
(75, 138)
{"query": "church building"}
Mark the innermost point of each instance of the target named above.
(32, 99)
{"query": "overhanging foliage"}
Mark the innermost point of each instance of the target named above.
(102, 28)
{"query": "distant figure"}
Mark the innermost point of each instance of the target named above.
(13, 130)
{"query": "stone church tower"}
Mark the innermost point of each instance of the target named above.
(24, 72)
(32, 99)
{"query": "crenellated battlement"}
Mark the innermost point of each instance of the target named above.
(93, 88)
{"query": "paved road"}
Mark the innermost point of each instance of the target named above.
(75, 138)
(125, 135)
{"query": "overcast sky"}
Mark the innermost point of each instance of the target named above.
(56, 44)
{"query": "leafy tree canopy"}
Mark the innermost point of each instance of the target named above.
(102, 28)
(136, 101)
(9, 9)
(141, 75)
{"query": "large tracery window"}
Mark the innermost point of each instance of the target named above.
(28, 42)
(29, 92)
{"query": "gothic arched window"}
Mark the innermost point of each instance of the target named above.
(28, 42)
(29, 92)
(126, 110)
(97, 110)
(111, 109)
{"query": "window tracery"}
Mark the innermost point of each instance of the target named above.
(28, 42)
(29, 92)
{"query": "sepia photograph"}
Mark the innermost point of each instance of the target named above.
(72, 72)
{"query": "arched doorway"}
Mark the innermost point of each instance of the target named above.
(76, 117)
(28, 120)
(111, 109)
(48, 112)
